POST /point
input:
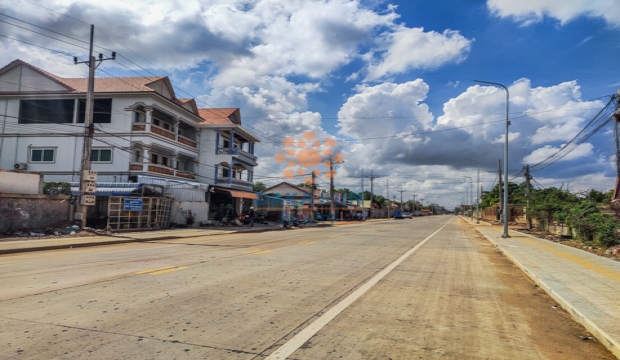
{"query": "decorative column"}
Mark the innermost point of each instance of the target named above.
(230, 173)
(217, 167)
(148, 119)
(217, 142)
(175, 129)
(231, 141)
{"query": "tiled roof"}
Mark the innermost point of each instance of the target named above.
(115, 84)
(40, 71)
(217, 115)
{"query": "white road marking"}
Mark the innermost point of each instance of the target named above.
(298, 340)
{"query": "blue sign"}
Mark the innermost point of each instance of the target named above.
(398, 214)
(133, 204)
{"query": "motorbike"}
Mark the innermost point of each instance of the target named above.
(288, 223)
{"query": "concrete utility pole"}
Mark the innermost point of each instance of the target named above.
(471, 195)
(312, 196)
(363, 212)
(499, 164)
(331, 188)
(372, 178)
(478, 195)
(617, 137)
(401, 198)
(388, 196)
(527, 196)
(89, 129)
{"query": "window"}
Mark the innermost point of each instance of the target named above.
(102, 111)
(101, 155)
(42, 155)
(138, 156)
(160, 160)
(46, 111)
(137, 117)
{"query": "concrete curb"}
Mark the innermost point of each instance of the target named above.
(601, 335)
(123, 239)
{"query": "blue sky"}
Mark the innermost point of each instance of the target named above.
(400, 72)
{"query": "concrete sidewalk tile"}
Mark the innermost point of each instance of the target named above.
(586, 285)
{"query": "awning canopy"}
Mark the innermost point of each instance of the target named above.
(242, 194)
(109, 188)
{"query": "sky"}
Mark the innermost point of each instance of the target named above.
(392, 82)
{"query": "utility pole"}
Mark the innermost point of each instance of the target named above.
(372, 178)
(312, 196)
(331, 189)
(401, 198)
(363, 213)
(500, 189)
(415, 203)
(388, 196)
(85, 174)
(527, 196)
(617, 137)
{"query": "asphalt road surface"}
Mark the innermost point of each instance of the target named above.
(425, 288)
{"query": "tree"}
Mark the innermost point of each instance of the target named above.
(309, 185)
(259, 186)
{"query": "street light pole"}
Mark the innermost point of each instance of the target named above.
(478, 195)
(505, 210)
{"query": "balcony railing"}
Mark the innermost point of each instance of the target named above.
(238, 152)
(237, 182)
(189, 142)
(165, 133)
(161, 169)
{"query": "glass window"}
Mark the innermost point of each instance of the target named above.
(137, 117)
(101, 155)
(46, 111)
(102, 111)
(42, 155)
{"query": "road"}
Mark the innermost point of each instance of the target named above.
(426, 288)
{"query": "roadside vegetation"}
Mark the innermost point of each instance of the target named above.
(587, 214)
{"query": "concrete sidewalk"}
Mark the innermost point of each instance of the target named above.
(584, 284)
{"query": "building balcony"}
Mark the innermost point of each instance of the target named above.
(141, 127)
(160, 170)
(189, 142)
(239, 154)
(235, 183)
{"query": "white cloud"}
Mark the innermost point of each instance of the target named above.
(385, 109)
(511, 137)
(540, 154)
(531, 11)
(412, 48)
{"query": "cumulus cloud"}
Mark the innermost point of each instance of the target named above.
(413, 48)
(531, 11)
(540, 154)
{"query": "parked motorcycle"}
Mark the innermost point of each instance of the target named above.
(288, 223)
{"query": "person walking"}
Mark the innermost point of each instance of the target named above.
(251, 216)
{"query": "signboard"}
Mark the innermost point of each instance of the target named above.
(90, 187)
(89, 175)
(398, 214)
(132, 204)
(88, 200)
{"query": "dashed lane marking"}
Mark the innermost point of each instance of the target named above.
(257, 252)
(161, 270)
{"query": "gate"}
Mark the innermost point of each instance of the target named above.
(153, 214)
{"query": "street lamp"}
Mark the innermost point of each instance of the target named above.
(477, 192)
(505, 210)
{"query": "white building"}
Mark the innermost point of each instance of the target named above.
(141, 128)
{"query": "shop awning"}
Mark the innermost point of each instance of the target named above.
(109, 189)
(242, 194)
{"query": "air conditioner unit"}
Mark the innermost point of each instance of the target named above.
(21, 166)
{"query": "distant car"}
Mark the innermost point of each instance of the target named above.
(407, 215)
